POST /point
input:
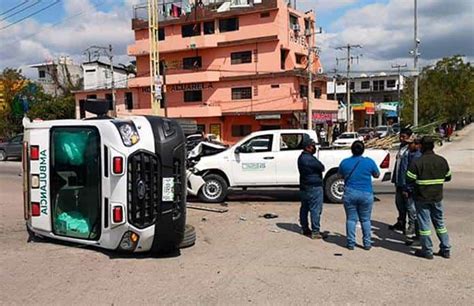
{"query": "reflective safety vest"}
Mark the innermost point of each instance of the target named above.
(429, 173)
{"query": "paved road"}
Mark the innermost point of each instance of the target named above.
(241, 259)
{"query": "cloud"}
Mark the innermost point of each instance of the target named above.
(84, 25)
(324, 5)
(385, 30)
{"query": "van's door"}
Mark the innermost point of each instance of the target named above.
(286, 158)
(254, 163)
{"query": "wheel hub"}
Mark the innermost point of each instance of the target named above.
(212, 189)
(337, 189)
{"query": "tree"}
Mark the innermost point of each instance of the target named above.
(446, 92)
(13, 82)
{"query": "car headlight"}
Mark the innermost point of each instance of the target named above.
(128, 132)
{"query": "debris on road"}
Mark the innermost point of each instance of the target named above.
(205, 208)
(242, 218)
(269, 216)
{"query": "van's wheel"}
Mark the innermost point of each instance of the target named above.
(189, 237)
(214, 189)
(3, 155)
(334, 188)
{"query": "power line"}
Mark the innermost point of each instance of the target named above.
(14, 8)
(22, 10)
(31, 15)
(99, 4)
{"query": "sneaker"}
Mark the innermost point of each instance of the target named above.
(397, 227)
(319, 235)
(367, 247)
(306, 232)
(423, 254)
(444, 253)
(350, 247)
(410, 230)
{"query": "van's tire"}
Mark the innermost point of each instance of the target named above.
(214, 189)
(3, 155)
(189, 238)
(334, 188)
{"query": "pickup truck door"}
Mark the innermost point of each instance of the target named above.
(286, 158)
(254, 164)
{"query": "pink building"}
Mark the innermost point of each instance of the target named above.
(232, 68)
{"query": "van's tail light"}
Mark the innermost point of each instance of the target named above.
(117, 165)
(386, 162)
(117, 213)
(25, 161)
(34, 152)
(35, 209)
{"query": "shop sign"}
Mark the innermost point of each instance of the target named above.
(324, 117)
(268, 117)
(369, 108)
(190, 86)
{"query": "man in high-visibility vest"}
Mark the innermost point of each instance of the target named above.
(429, 173)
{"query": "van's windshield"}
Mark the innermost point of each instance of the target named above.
(76, 182)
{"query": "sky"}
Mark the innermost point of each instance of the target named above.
(384, 28)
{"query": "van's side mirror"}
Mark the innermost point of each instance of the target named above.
(238, 150)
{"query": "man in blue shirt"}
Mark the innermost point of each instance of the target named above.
(311, 187)
(358, 199)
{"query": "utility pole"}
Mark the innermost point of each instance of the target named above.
(155, 80)
(349, 60)
(398, 67)
(311, 50)
(416, 54)
(97, 51)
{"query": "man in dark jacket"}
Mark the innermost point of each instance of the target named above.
(311, 187)
(429, 173)
(398, 178)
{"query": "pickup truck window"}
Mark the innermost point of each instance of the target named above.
(291, 142)
(258, 144)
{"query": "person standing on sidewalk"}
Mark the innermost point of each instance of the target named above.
(429, 173)
(399, 180)
(412, 232)
(311, 189)
(358, 199)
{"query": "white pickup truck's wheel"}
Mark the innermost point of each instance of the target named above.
(3, 155)
(214, 189)
(334, 188)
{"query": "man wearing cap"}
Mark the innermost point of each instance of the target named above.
(429, 173)
(311, 187)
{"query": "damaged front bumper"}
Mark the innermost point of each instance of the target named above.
(195, 182)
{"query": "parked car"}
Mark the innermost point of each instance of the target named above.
(346, 139)
(269, 159)
(383, 131)
(367, 133)
(11, 148)
(396, 128)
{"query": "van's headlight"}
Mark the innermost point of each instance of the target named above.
(128, 132)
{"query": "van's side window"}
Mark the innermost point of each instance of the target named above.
(261, 143)
(290, 142)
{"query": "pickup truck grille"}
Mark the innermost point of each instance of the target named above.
(143, 182)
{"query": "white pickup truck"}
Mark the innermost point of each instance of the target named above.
(269, 159)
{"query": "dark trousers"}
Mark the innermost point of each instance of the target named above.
(401, 203)
(312, 203)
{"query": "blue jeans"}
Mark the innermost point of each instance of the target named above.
(431, 212)
(358, 207)
(311, 202)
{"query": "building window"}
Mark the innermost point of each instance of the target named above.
(391, 83)
(241, 130)
(193, 96)
(283, 56)
(378, 85)
(129, 100)
(303, 91)
(161, 34)
(42, 74)
(91, 97)
(241, 57)
(275, 86)
(209, 27)
(109, 99)
(189, 30)
(265, 15)
(192, 62)
(293, 22)
(241, 93)
(317, 93)
(201, 128)
(90, 70)
(365, 85)
(300, 58)
(228, 25)
(352, 86)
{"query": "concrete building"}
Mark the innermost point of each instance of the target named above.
(232, 66)
(374, 98)
(57, 77)
(98, 75)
